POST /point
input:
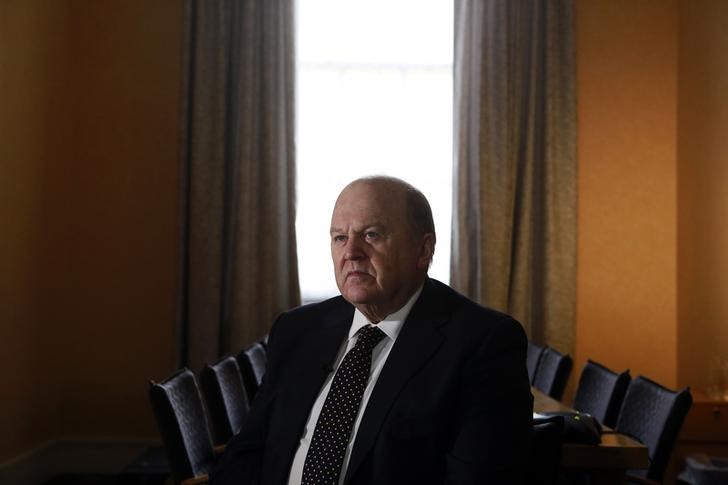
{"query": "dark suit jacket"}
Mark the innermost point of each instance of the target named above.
(452, 403)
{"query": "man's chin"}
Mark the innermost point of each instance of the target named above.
(358, 296)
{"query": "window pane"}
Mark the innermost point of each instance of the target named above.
(374, 96)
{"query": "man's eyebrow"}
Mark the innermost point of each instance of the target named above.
(374, 225)
(379, 226)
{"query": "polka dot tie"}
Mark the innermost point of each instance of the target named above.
(333, 428)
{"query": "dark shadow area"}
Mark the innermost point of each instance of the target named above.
(150, 468)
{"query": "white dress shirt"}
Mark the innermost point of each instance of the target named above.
(391, 326)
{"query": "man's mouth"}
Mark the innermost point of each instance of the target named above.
(357, 274)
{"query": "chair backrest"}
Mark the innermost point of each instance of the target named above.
(252, 362)
(182, 423)
(227, 402)
(264, 342)
(600, 392)
(654, 415)
(552, 373)
(533, 357)
(545, 455)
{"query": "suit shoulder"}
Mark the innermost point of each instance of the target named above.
(303, 317)
(315, 310)
(461, 304)
(294, 325)
(469, 315)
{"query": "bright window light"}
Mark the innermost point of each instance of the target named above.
(374, 96)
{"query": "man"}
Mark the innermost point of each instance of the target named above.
(399, 380)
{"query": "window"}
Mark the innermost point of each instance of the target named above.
(374, 96)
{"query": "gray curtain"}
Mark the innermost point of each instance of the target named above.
(514, 207)
(239, 267)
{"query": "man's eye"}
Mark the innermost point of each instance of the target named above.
(371, 235)
(339, 238)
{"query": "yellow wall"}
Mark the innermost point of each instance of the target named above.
(653, 162)
(627, 138)
(90, 96)
(703, 188)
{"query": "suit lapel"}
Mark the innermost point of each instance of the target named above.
(302, 388)
(418, 341)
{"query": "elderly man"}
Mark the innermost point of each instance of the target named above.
(399, 380)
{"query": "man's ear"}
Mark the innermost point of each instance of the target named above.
(427, 249)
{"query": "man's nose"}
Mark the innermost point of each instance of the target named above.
(353, 250)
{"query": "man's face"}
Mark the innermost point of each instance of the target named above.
(377, 261)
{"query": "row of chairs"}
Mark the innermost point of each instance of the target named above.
(197, 415)
(639, 407)
(229, 386)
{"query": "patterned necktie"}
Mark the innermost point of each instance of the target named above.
(333, 428)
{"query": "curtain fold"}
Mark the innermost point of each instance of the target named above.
(514, 207)
(239, 266)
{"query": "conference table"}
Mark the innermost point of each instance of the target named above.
(607, 462)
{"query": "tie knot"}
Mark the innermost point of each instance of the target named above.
(369, 337)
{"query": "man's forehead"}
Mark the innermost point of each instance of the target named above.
(358, 225)
(362, 216)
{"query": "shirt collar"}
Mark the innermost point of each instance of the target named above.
(392, 323)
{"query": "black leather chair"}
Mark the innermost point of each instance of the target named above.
(227, 402)
(182, 423)
(552, 373)
(600, 392)
(252, 363)
(533, 357)
(545, 455)
(653, 415)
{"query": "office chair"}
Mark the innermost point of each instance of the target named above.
(653, 415)
(600, 392)
(533, 357)
(183, 426)
(252, 362)
(227, 402)
(552, 373)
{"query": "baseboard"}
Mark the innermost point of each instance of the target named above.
(73, 455)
